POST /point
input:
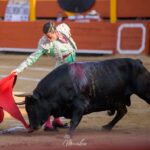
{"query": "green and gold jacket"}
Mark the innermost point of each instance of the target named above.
(60, 49)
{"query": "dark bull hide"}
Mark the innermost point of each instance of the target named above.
(73, 90)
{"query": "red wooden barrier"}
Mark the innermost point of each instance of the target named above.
(95, 37)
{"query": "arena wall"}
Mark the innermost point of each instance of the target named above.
(127, 36)
(92, 37)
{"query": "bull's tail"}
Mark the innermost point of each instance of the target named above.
(111, 112)
(140, 61)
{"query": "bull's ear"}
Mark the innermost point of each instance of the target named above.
(31, 100)
(23, 94)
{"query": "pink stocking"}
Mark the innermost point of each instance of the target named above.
(48, 123)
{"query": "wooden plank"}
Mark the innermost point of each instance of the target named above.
(90, 36)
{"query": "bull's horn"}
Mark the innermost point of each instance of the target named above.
(21, 103)
(22, 94)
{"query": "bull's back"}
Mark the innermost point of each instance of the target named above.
(102, 76)
(95, 79)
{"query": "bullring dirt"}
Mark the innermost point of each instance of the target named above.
(131, 133)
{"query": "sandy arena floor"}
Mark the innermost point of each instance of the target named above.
(131, 133)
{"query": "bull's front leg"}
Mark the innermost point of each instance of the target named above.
(121, 111)
(75, 120)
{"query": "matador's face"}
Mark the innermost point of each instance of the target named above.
(52, 36)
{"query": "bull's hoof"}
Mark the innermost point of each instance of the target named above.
(48, 129)
(106, 128)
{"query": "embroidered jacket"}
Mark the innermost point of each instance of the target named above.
(63, 49)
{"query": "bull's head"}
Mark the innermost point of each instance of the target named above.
(36, 113)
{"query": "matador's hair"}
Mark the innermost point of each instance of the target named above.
(49, 27)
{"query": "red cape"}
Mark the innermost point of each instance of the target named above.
(7, 101)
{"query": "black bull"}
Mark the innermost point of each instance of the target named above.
(73, 90)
